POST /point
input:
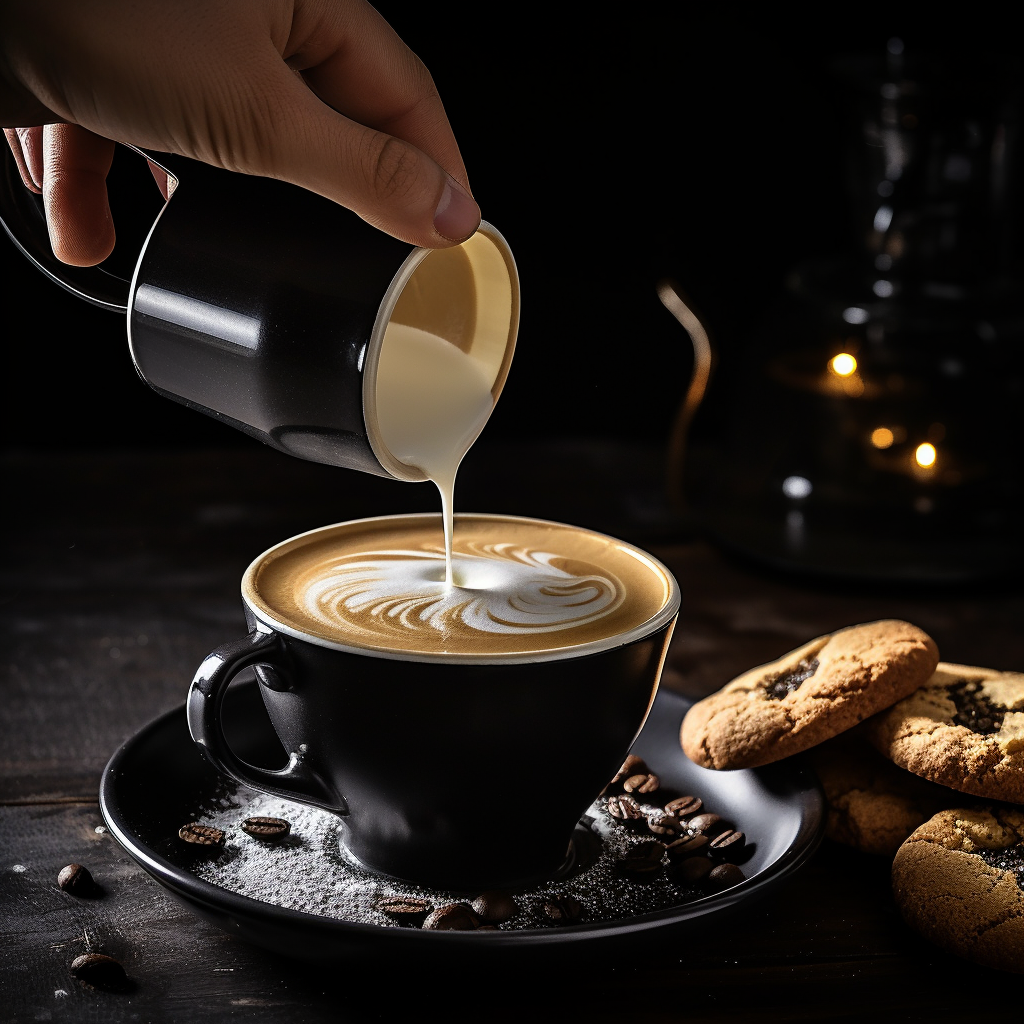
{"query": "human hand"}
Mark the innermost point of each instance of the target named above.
(321, 93)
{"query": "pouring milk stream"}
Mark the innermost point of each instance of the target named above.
(432, 401)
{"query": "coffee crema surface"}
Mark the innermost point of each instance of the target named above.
(521, 586)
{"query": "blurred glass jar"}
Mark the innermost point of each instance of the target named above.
(873, 427)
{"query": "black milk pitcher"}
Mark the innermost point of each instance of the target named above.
(265, 306)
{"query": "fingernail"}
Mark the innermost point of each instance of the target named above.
(33, 155)
(457, 215)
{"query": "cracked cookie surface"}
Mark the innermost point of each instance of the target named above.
(964, 728)
(958, 881)
(813, 693)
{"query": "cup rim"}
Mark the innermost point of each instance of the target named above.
(664, 616)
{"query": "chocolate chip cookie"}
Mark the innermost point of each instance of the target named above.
(872, 805)
(813, 693)
(963, 729)
(959, 881)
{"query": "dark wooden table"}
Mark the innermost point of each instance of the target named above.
(121, 571)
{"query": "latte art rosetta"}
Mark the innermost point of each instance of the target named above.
(499, 589)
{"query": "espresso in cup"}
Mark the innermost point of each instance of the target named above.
(521, 588)
(431, 717)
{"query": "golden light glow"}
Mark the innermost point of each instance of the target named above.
(882, 437)
(925, 455)
(843, 364)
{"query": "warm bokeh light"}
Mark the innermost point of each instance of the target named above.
(882, 437)
(844, 364)
(925, 455)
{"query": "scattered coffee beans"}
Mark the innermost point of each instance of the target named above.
(563, 909)
(99, 971)
(664, 850)
(452, 917)
(696, 840)
(267, 829)
(201, 835)
(494, 906)
(76, 880)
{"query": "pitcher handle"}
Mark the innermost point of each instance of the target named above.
(24, 220)
(204, 708)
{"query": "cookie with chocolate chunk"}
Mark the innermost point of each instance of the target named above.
(963, 729)
(871, 804)
(959, 881)
(813, 693)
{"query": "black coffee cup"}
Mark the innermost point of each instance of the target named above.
(459, 773)
(265, 306)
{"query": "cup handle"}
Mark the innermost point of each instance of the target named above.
(297, 780)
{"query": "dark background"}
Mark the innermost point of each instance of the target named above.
(610, 152)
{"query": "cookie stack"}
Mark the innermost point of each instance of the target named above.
(919, 759)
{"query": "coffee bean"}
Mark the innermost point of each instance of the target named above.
(723, 876)
(99, 971)
(684, 806)
(201, 835)
(642, 782)
(727, 843)
(407, 909)
(631, 766)
(624, 808)
(494, 906)
(452, 917)
(76, 880)
(692, 869)
(664, 824)
(687, 846)
(267, 829)
(563, 909)
(708, 824)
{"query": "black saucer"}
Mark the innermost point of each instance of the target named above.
(157, 781)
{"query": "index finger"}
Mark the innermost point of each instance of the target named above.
(357, 64)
